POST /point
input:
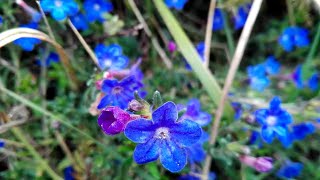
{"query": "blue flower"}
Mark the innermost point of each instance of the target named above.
(255, 138)
(177, 4)
(272, 65)
(118, 93)
(300, 131)
(163, 137)
(196, 153)
(313, 82)
(1, 20)
(290, 170)
(218, 21)
(258, 77)
(237, 107)
(28, 44)
(294, 36)
(95, 9)
(241, 17)
(2, 144)
(79, 21)
(274, 122)
(212, 176)
(52, 58)
(200, 47)
(194, 113)
(60, 9)
(111, 57)
(297, 77)
(68, 173)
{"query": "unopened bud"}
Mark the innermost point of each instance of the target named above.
(135, 105)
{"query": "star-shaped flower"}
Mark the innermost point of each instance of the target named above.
(274, 121)
(177, 4)
(95, 9)
(163, 137)
(194, 113)
(290, 170)
(60, 9)
(28, 44)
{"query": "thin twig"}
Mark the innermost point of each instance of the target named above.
(231, 74)
(209, 33)
(46, 21)
(84, 44)
(154, 41)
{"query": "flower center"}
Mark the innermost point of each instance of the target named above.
(58, 3)
(162, 133)
(271, 120)
(107, 62)
(117, 90)
(96, 7)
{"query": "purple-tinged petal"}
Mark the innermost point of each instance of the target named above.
(147, 152)
(165, 114)
(186, 132)
(105, 101)
(172, 157)
(140, 130)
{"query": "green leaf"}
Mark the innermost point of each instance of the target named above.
(157, 100)
(191, 55)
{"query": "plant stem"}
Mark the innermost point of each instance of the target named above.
(228, 32)
(46, 21)
(231, 74)
(84, 44)
(208, 36)
(154, 41)
(290, 12)
(21, 136)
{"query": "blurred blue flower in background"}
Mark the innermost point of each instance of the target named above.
(258, 77)
(59, 9)
(237, 107)
(68, 173)
(200, 47)
(218, 20)
(297, 77)
(28, 44)
(177, 4)
(96, 9)
(52, 58)
(294, 36)
(118, 93)
(79, 21)
(272, 65)
(313, 82)
(241, 16)
(274, 121)
(163, 137)
(194, 113)
(1, 21)
(111, 57)
(196, 153)
(290, 170)
(300, 131)
(2, 144)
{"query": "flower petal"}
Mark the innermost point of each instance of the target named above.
(165, 114)
(267, 134)
(147, 152)
(140, 130)
(172, 157)
(186, 132)
(104, 102)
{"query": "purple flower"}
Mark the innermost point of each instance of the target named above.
(60, 9)
(300, 131)
(172, 47)
(118, 93)
(163, 137)
(177, 4)
(113, 120)
(194, 113)
(28, 44)
(290, 170)
(95, 9)
(79, 21)
(261, 164)
(111, 57)
(274, 121)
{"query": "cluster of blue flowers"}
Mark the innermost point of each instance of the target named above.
(312, 83)
(258, 74)
(294, 37)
